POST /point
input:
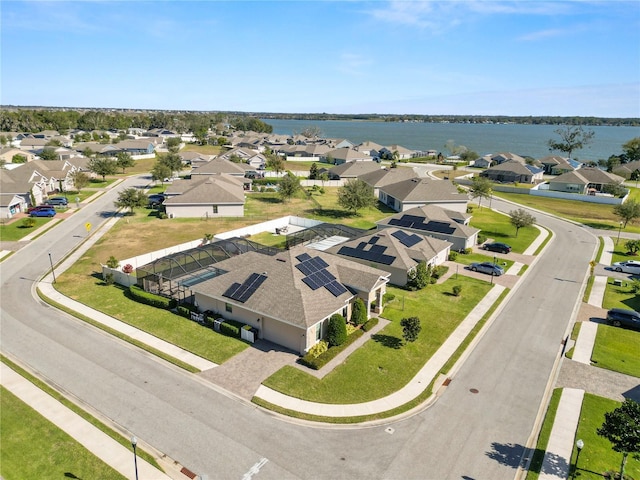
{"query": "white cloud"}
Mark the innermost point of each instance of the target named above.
(354, 64)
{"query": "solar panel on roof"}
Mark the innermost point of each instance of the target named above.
(321, 262)
(378, 248)
(399, 234)
(400, 223)
(361, 245)
(231, 290)
(410, 240)
(305, 268)
(373, 240)
(311, 283)
(413, 218)
(303, 257)
(336, 288)
(242, 293)
(438, 227)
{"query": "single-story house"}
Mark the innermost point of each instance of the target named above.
(216, 195)
(386, 176)
(507, 156)
(483, 162)
(433, 221)
(395, 251)
(8, 153)
(585, 180)
(253, 158)
(370, 148)
(135, 147)
(352, 170)
(630, 170)
(220, 165)
(345, 154)
(512, 172)
(416, 192)
(289, 297)
(556, 165)
(403, 152)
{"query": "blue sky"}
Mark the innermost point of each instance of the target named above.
(413, 57)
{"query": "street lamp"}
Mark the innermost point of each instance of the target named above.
(579, 446)
(493, 272)
(134, 443)
(52, 271)
(619, 230)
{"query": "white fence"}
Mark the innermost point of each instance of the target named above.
(270, 226)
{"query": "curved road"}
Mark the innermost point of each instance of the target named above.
(463, 435)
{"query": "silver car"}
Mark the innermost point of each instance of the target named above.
(628, 266)
(487, 267)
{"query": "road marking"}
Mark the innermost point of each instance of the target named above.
(255, 469)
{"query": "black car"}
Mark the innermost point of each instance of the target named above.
(619, 317)
(497, 247)
(156, 199)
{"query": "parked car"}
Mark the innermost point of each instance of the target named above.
(57, 201)
(619, 317)
(488, 268)
(43, 212)
(628, 266)
(156, 199)
(497, 247)
(39, 207)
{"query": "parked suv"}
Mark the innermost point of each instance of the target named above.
(57, 201)
(497, 247)
(619, 317)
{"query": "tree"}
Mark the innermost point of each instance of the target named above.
(410, 328)
(336, 330)
(17, 158)
(313, 171)
(631, 150)
(275, 163)
(520, 218)
(48, 154)
(160, 171)
(131, 198)
(628, 211)
(420, 276)
(622, 428)
(289, 186)
(632, 246)
(102, 167)
(481, 188)
(573, 137)
(355, 195)
(173, 144)
(124, 160)
(171, 160)
(80, 180)
(359, 312)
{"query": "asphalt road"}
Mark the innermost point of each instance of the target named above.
(464, 435)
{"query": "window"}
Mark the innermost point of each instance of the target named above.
(228, 307)
(215, 209)
(318, 332)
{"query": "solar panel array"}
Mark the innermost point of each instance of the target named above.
(242, 292)
(375, 253)
(317, 275)
(407, 240)
(417, 223)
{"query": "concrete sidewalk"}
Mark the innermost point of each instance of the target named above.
(415, 386)
(97, 442)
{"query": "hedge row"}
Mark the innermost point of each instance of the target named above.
(147, 298)
(320, 361)
(231, 328)
(372, 322)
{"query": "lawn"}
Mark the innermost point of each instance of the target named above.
(51, 453)
(620, 296)
(498, 227)
(597, 455)
(16, 231)
(385, 363)
(469, 258)
(591, 214)
(543, 437)
(617, 349)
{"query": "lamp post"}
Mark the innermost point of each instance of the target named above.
(619, 230)
(52, 271)
(494, 269)
(579, 446)
(134, 443)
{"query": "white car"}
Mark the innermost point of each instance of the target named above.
(628, 266)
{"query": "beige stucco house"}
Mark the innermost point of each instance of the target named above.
(206, 196)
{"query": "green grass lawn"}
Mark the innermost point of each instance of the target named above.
(617, 349)
(34, 448)
(468, 259)
(597, 455)
(383, 362)
(16, 230)
(620, 296)
(498, 227)
(270, 239)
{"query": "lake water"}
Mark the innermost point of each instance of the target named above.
(525, 140)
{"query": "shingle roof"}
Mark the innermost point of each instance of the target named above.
(588, 175)
(354, 169)
(220, 165)
(425, 190)
(434, 213)
(387, 176)
(284, 295)
(348, 154)
(510, 166)
(218, 189)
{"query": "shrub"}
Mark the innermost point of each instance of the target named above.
(323, 359)
(469, 208)
(108, 278)
(318, 349)
(452, 256)
(410, 328)
(350, 329)
(481, 238)
(358, 312)
(113, 262)
(372, 322)
(128, 268)
(456, 290)
(467, 251)
(231, 328)
(337, 330)
(388, 297)
(28, 222)
(139, 295)
(439, 271)
(162, 216)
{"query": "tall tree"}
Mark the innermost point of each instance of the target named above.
(288, 186)
(571, 138)
(356, 194)
(358, 312)
(173, 144)
(124, 160)
(410, 328)
(131, 198)
(171, 160)
(80, 180)
(631, 150)
(520, 218)
(627, 211)
(159, 172)
(481, 187)
(313, 171)
(622, 428)
(275, 162)
(336, 330)
(102, 167)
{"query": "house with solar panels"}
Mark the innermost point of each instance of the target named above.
(290, 296)
(416, 192)
(437, 222)
(394, 250)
